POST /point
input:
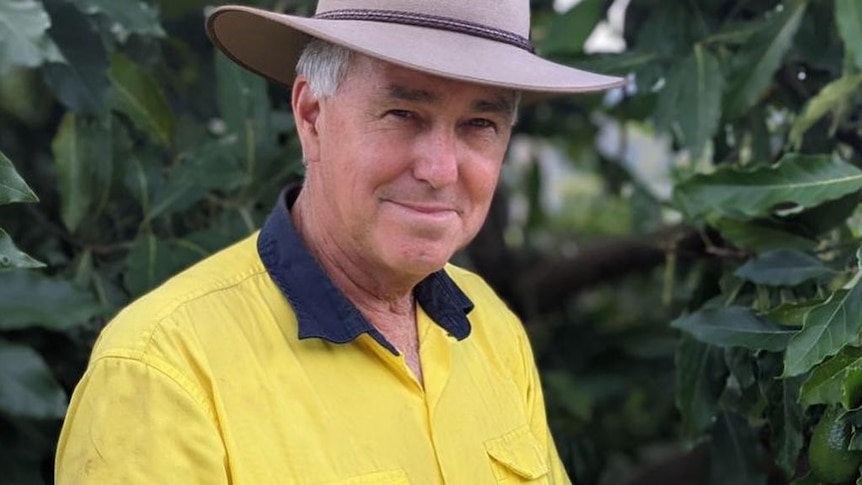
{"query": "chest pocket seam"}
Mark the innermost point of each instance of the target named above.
(519, 452)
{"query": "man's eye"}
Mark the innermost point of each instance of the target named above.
(400, 113)
(482, 123)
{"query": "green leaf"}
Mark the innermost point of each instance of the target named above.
(690, 102)
(30, 299)
(22, 462)
(783, 267)
(826, 382)
(807, 479)
(137, 94)
(792, 314)
(124, 18)
(11, 257)
(825, 217)
(798, 180)
(152, 261)
(23, 36)
(85, 167)
(244, 105)
(619, 64)
(564, 387)
(226, 229)
(734, 326)
(670, 29)
(81, 83)
(568, 31)
(848, 17)
(783, 412)
(733, 33)
(759, 235)
(756, 64)
(27, 387)
(700, 380)
(827, 329)
(831, 96)
(12, 186)
(211, 166)
(736, 456)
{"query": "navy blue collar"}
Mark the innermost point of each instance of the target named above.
(322, 310)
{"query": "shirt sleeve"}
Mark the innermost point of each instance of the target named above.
(132, 422)
(537, 415)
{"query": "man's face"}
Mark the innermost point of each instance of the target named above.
(403, 165)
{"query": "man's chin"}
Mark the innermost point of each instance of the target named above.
(419, 261)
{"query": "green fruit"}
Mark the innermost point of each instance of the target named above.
(830, 460)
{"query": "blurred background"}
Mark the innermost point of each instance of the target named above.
(664, 243)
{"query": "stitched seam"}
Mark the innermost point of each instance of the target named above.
(433, 21)
(167, 370)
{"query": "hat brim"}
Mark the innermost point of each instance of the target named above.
(269, 44)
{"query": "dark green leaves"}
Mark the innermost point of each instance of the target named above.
(27, 387)
(137, 94)
(700, 379)
(569, 31)
(736, 455)
(848, 17)
(152, 260)
(734, 326)
(30, 299)
(828, 328)
(837, 380)
(13, 189)
(85, 166)
(11, 257)
(755, 66)
(12, 186)
(82, 82)
(759, 235)
(797, 181)
(123, 18)
(690, 103)
(783, 267)
(785, 415)
(23, 38)
(828, 99)
(245, 107)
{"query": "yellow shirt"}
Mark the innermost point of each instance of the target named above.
(214, 378)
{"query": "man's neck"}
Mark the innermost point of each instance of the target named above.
(368, 287)
(386, 300)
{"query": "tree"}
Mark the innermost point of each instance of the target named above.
(696, 320)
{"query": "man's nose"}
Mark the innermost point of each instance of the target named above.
(437, 160)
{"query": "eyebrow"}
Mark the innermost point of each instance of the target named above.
(402, 93)
(499, 104)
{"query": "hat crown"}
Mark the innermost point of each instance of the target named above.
(509, 15)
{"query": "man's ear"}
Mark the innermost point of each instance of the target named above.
(306, 109)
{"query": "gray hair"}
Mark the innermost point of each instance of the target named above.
(324, 64)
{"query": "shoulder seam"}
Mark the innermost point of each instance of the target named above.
(173, 305)
(166, 370)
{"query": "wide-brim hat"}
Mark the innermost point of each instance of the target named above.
(479, 41)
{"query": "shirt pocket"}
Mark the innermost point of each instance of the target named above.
(517, 457)
(391, 477)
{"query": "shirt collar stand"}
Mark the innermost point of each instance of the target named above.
(322, 311)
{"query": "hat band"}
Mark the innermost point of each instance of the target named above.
(432, 21)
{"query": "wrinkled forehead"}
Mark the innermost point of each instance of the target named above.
(402, 83)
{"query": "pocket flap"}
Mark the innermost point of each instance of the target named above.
(520, 452)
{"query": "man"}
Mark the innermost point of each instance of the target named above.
(337, 345)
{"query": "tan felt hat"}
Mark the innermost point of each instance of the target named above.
(481, 41)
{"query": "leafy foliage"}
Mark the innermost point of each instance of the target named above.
(695, 232)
